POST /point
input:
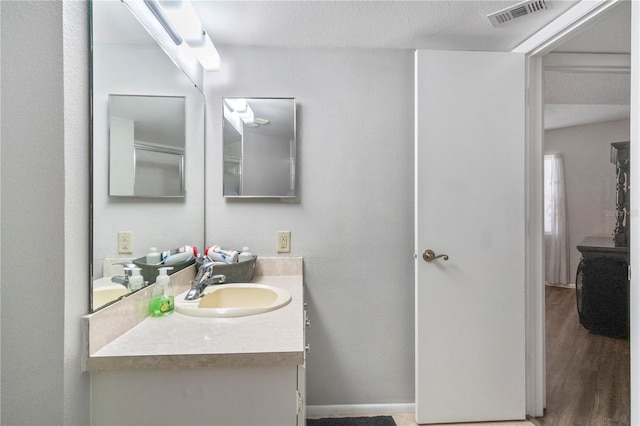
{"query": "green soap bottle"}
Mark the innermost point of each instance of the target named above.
(162, 299)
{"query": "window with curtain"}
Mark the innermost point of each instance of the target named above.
(555, 221)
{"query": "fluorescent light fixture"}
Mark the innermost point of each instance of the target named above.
(240, 107)
(246, 115)
(184, 18)
(236, 104)
(207, 54)
(180, 21)
(160, 16)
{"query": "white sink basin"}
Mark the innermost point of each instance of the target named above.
(108, 293)
(234, 300)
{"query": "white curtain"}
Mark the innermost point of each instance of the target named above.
(555, 221)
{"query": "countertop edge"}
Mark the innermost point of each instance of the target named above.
(150, 362)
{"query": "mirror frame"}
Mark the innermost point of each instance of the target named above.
(181, 153)
(293, 173)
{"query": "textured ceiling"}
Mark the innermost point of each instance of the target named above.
(426, 24)
(576, 98)
(610, 34)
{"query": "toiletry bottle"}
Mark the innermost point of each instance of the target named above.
(154, 256)
(178, 255)
(136, 282)
(217, 253)
(245, 254)
(162, 299)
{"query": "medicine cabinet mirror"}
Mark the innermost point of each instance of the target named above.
(259, 147)
(137, 90)
(146, 146)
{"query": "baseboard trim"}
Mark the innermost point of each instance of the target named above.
(358, 409)
(561, 285)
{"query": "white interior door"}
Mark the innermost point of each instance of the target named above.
(470, 318)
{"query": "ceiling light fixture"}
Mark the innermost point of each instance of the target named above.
(183, 17)
(160, 16)
(181, 22)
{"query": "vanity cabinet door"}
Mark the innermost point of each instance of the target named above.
(301, 394)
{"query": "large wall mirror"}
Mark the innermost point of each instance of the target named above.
(132, 75)
(259, 147)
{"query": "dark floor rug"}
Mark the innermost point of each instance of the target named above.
(353, 421)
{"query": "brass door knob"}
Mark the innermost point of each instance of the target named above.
(429, 255)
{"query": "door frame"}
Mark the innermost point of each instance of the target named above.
(566, 26)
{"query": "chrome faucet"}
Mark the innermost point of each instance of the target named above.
(124, 279)
(204, 278)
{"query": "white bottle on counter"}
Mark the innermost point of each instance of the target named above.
(184, 252)
(154, 256)
(245, 254)
(176, 258)
(218, 254)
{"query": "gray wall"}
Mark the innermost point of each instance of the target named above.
(590, 179)
(353, 219)
(44, 192)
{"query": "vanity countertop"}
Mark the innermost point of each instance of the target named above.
(273, 338)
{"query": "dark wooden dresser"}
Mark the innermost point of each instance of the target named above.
(602, 287)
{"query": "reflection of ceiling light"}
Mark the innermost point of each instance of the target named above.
(240, 107)
(184, 18)
(236, 104)
(256, 122)
(207, 54)
(181, 22)
(159, 14)
(246, 115)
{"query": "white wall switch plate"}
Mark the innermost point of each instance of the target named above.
(283, 241)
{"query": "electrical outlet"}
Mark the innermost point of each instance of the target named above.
(283, 241)
(125, 242)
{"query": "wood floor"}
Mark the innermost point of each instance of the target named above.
(588, 376)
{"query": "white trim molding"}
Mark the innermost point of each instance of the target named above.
(574, 21)
(635, 208)
(588, 62)
(316, 411)
(565, 26)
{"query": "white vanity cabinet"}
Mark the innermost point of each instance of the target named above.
(182, 370)
(198, 396)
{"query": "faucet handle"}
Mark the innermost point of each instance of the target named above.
(218, 279)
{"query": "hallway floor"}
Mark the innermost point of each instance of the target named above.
(409, 420)
(588, 376)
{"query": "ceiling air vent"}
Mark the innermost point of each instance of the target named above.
(516, 11)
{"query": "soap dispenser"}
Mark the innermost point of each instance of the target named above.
(136, 282)
(162, 299)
